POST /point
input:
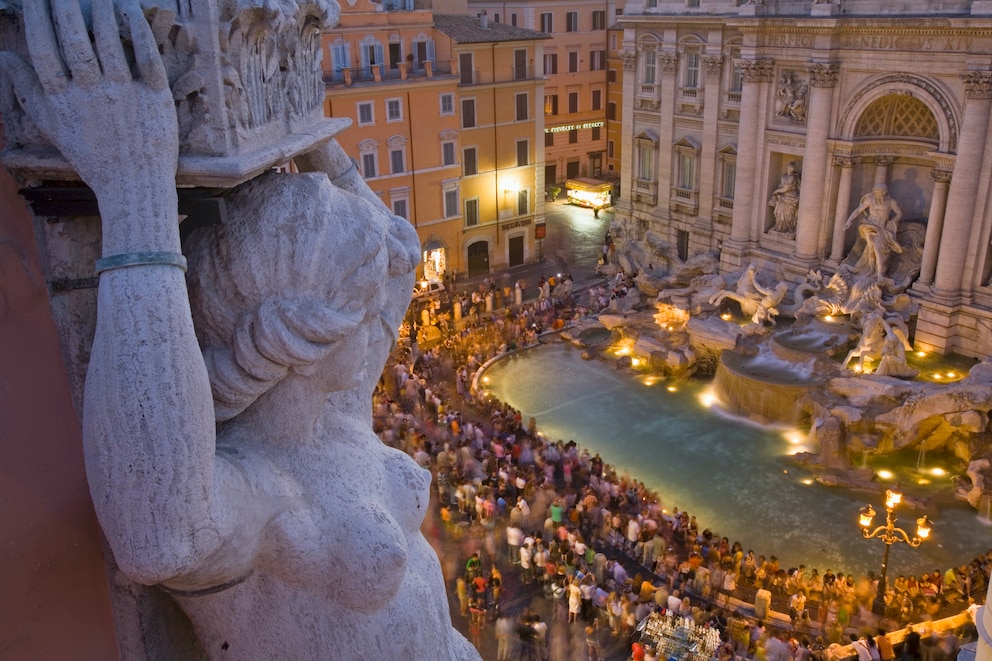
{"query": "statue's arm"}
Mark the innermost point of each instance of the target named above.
(857, 212)
(896, 213)
(148, 425)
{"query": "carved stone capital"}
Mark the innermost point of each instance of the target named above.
(629, 57)
(713, 64)
(668, 61)
(977, 85)
(940, 176)
(846, 161)
(756, 71)
(823, 75)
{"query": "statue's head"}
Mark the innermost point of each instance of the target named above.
(300, 269)
(880, 191)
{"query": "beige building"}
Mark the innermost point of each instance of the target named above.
(448, 128)
(578, 88)
(724, 104)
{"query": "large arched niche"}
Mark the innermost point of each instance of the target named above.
(892, 94)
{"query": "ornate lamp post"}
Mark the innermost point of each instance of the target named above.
(890, 534)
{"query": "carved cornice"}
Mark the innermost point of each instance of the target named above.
(668, 61)
(977, 85)
(823, 75)
(713, 64)
(756, 71)
(846, 161)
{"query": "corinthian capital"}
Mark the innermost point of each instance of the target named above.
(756, 71)
(668, 61)
(629, 57)
(977, 84)
(823, 75)
(713, 64)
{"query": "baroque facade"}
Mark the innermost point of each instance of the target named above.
(755, 131)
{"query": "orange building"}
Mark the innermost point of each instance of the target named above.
(578, 88)
(448, 128)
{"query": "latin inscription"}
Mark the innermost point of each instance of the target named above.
(905, 42)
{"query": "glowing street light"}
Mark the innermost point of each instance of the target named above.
(890, 534)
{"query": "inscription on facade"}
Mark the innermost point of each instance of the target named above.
(789, 40)
(905, 42)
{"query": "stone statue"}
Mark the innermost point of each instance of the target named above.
(758, 302)
(227, 426)
(784, 200)
(878, 229)
(792, 95)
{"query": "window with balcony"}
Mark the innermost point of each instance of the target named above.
(685, 188)
(340, 59)
(372, 55)
(726, 184)
(468, 113)
(472, 212)
(572, 21)
(423, 51)
(547, 22)
(550, 64)
(523, 152)
(522, 103)
(573, 102)
(599, 20)
(690, 78)
(470, 161)
(466, 68)
(646, 146)
(649, 68)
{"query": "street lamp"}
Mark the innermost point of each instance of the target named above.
(889, 534)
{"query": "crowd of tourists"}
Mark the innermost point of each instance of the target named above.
(600, 546)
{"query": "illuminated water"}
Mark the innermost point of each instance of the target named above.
(737, 479)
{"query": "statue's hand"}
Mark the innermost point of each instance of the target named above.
(111, 125)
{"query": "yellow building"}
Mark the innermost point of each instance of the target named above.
(448, 128)
(578, 88)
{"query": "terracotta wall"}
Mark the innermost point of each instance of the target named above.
(54, 596)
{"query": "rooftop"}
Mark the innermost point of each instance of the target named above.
(475, 30)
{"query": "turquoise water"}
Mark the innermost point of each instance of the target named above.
(736, 478)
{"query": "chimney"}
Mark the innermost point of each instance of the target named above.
(483, 20)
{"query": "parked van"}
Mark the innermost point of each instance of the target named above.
(591, 193)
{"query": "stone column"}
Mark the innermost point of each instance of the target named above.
(935, 223)
(624, 204)
(882, 164)
(846, 165)
(702, 229)
(964, 186)
(756, 74)
(667, 71)
(822, 79)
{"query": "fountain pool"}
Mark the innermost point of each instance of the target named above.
(735, 477)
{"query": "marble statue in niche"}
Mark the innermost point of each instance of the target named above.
(784, 200)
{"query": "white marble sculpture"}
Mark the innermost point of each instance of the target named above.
(756, 301)
(784, 201)
(878, 229)
(239, 472)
